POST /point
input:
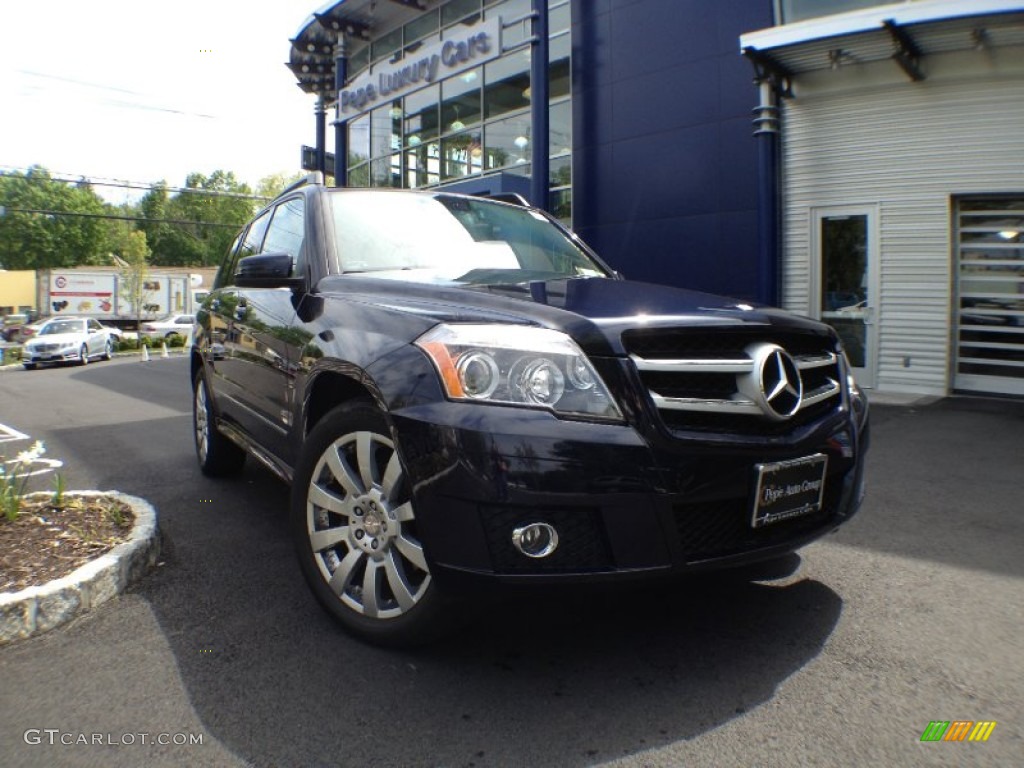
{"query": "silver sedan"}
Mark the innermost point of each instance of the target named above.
(67, 339)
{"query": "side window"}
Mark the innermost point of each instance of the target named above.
(247, 244)
(287, 230)
(94, 325)
(254, 237)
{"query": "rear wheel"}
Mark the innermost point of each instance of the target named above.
(356, 534)
(217, 455)
(108, 350)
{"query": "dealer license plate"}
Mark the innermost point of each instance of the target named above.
(787, 489)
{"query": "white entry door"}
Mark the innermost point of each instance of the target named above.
(846, 284)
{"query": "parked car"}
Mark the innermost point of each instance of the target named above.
(166, 327)
(460, 391)
(12, 324)
(68, 339)
(26, 332)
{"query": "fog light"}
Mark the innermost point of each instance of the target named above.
(535, 539)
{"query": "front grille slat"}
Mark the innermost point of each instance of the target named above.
(700, 379)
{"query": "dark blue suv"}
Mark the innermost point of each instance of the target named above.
(459, 390)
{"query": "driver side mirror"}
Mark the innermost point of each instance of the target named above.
(267, 270)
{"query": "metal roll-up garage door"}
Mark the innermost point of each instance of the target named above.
(990, 295)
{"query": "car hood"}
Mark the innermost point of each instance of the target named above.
(58, 338)
(594, 311)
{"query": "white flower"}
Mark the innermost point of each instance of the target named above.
(33, 453)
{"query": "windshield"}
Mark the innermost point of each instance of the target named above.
(452, 239)
(63, 326)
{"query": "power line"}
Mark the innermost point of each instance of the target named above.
(121, 218)
(101, 181)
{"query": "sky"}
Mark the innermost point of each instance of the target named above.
(143, 91)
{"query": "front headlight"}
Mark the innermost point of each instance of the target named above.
(518, 365)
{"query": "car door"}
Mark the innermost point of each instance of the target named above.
(222, 348)
(97, 341)
(261, 324)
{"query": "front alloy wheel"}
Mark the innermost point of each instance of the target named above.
(356, 532)
(83, 355)
(217, 455)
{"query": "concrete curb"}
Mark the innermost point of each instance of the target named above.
(37, 609)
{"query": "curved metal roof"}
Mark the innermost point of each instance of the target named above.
(312, 52)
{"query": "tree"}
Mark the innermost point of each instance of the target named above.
(50, 223)
(223, 212)
(273, 185)
(134, 273)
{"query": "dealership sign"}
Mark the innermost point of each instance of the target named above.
(476, 44)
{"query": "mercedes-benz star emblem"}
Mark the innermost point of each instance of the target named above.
(776, 381)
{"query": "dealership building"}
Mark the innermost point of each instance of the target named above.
(855, 161)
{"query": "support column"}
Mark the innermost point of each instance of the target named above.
(540, 151)
(340, 126)
(321, 132)
(766, 131)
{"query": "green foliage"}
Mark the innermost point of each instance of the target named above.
(271, 186)
(134, 272)
(218, 202)
(223, 213)
(50, 240)
(59, 487)
(176, 341)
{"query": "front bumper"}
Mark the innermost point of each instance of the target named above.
(624, 504)
(56, 356)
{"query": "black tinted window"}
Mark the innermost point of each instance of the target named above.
(287, 229)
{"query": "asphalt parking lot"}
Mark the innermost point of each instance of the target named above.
(913, 613)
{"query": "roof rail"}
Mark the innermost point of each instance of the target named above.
(505, 197)
(316, 177)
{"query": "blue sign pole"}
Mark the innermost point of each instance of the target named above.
(540, 164)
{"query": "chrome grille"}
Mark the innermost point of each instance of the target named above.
(713, 379)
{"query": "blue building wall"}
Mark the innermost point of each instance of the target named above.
(664, 161)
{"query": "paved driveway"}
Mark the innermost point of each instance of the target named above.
(911, 614)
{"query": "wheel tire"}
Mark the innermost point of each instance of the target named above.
(29, 366)
(108, 350)
(218, 456)
(83, 355)
(361, 554)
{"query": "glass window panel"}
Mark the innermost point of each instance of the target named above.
(507, 84)
(560, 204)
(844, 265)
(510, 10)
(359, 140)
(560, 128)
(386, 171)
(421, 115)
(508, 142)
(558, 20)
(457, 10)
(358, 60)
(421, 27)
(462, 155)
(423, 165)
(386, 44)
(559, 82)
(798, 10)
(386, 126)
(560, 172)
(359, 176)
(460, 104)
